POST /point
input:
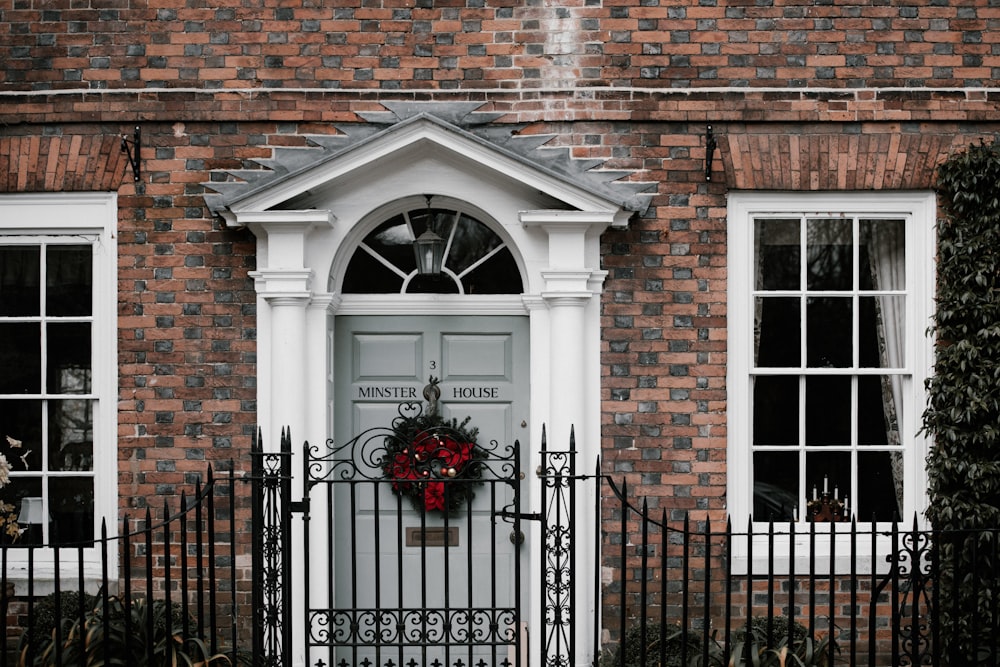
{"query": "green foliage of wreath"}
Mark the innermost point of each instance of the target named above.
(434, 462)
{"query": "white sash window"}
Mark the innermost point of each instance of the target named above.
(57, 368)
(830, 298)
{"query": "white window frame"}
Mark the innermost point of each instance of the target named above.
(918, 209)
(89, 217)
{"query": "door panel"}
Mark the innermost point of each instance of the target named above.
(423, 585)
(387, 356)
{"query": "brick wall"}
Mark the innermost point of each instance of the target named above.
(502, 43)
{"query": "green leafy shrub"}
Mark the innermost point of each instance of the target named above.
(44, 614)
(963, 413)
(120, 638)
(672, 640)
(760, 648)
(756, 649)
(779, 630)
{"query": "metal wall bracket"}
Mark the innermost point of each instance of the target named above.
(131, 149)
(710, 145)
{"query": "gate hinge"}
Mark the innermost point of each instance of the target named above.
(524, 516)
(298, 506)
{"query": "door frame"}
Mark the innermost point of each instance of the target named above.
(323, 479)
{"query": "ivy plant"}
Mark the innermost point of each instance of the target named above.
(963, 411)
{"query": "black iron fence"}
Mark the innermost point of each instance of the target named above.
(163, 591)
(697, 593)
(672, 591)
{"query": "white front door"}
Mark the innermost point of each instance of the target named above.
(428, 585)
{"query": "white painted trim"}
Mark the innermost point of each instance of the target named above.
(919, 208)
(430, 304)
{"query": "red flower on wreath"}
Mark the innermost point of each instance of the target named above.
(455, 455)
(434, 496)
(402, 471)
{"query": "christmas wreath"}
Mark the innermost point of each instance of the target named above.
(431, 460)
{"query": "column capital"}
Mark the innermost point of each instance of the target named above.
(275, 284)
(568, 282)
(571, 299)
(572, 236)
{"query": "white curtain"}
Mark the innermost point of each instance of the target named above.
(886, 252)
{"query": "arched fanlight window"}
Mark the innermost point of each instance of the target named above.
(475, 261)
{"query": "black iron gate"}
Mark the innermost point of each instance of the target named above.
(410, 540)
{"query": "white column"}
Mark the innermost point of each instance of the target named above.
(566, 363)
(284, 286)
(571, 293)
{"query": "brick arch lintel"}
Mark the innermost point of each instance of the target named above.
(800, 160)
(65, 163)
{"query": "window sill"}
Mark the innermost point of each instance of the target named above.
(829, 550)
(40, 578)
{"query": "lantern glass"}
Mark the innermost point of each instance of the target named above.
(428, 249)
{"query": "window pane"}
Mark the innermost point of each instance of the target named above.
(779, 331)
(19, 273)
(777, 255)
(880, 486)
(828, 332)
(497, 275)
(20, 516)
(21, 433)
(882, 324)
(775, 410)
(775, 486)
(20, 358)
(438, 220)
(71, 435)
(829, 251)
(69, 365)
(366, 275)
(828, 410)
(831, 470)
(883, 252)
(392, 240)
(71, 506)
(472, 241)
(440, 284)
(69, 280)
(876, 406)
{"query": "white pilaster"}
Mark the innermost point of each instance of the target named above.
(571, 293)
(284, 285)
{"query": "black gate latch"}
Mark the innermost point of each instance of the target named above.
(524, 516)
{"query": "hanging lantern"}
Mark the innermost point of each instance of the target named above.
(429, 251)
(428, 248)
